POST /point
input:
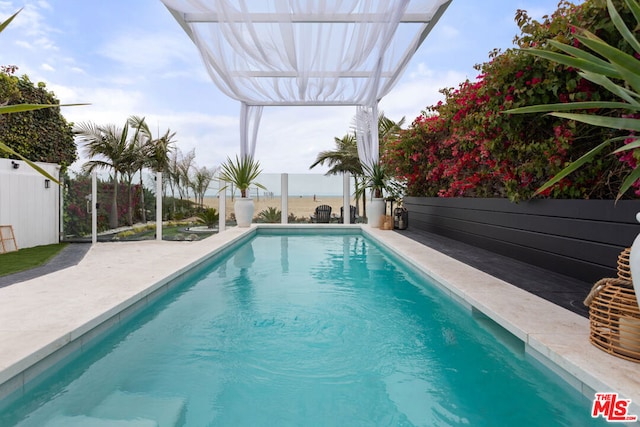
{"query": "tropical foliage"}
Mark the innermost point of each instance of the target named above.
(344, 158)
(241, 173)
(77, 210)
(271, 215)
(381, 182)
(604, 68)
(109, 147)
(465, 146)
(126, 153)
(209, 217)
(41, 135)
(25, 124)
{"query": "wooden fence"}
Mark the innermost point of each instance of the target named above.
(578, 238)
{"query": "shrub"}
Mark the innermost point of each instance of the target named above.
(270, 215)
(464, 146)
(209, 217)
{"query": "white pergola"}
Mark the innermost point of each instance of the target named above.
(307, 52)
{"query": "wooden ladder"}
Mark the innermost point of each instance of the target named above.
(7, 239)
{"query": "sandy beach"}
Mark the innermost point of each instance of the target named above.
(301, 206)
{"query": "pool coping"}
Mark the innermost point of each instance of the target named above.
(45, 319)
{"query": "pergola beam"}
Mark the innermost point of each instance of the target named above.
(305, 18)
(414, 45)
(302, 103)
(313, 74)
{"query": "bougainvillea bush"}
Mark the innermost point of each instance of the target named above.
(466, 146)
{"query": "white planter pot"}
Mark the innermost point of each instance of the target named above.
(243, 209)
(634, 263)
(376, 212)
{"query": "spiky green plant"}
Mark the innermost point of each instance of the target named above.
(242, 173)
(270, 215)
(209, 217)
(614, 70)
(378, 179)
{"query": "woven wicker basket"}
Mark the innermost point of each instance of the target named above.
(624, 270)
(614, 315)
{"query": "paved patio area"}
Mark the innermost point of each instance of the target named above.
(565, 291)
(42, 319)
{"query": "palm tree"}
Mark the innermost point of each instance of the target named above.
(185, 164)
(159, 156)
(345, 157)
(200, 183)
(140, 146)
(173, 175)
(159, 151)
(178, 170)
(388, 129)
(108, 146)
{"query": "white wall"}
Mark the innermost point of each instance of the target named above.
(25, 203)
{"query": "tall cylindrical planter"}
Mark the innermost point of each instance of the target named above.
(243, 209)
(376, 212)
(634, 263)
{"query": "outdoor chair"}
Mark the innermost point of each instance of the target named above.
(352, 214)
(322, 214)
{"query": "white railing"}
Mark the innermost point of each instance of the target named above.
(298, 196)
(295, 196)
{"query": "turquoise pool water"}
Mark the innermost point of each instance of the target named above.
(304, 330)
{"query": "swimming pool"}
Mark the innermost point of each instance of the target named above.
(306, 330)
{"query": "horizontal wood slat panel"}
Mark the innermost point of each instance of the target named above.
(595, 231)
(578, 238)
(599, 253)
(576, 268)
(599, 210)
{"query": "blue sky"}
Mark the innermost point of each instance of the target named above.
(129, 57)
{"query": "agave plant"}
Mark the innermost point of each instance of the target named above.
(379, 181)
(242, 173)
(209, 217)
(19, 108)
(604, 67)
(270, 215)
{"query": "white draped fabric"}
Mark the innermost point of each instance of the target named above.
(305, 52)
(367, 134)
(249, 123)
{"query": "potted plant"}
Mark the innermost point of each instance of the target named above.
(242, 173)
(379, 181)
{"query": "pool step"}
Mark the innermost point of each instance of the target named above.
(166, 411)
(84, 421)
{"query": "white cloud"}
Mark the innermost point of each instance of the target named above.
(419, 91)
(144, 64)
(44, 5)
(24, 44)
(290, 138)
(45, 43)
(150, 52)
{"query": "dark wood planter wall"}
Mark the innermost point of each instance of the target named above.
(578, 238)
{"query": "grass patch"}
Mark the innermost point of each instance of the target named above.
(25, 259)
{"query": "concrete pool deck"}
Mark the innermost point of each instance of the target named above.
(44, 319)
